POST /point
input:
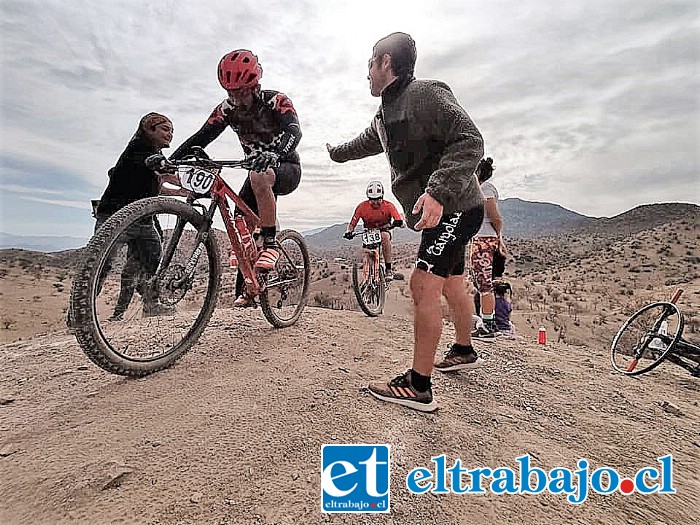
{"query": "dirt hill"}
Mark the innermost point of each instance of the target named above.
(232, 433)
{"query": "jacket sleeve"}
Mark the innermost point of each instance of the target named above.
(365, 145)
(289, 122)
(449, 123)
(212, 128)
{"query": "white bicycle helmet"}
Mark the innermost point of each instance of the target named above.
(375, 190)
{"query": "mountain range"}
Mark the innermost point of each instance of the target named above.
(521, 220)
(40, 243)
(527, 220)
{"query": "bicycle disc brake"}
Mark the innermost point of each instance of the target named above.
(173, 285)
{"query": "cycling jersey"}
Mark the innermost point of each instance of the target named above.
(269, 124)
(375, 218)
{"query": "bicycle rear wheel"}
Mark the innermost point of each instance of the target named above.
(646, 338)
(287, 286)
(369, 291)
(129, 318)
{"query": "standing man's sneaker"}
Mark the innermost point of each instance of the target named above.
(455, 359)
(400, 391)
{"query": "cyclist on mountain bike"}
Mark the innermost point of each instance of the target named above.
(375, 212)
(268, 129)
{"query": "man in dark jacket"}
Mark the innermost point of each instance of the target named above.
(433, 148)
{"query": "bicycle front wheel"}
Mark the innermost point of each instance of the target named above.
(146, 288)
(646, 338)
(369, 288)
(287, 286)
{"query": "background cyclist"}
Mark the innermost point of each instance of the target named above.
(376, 212)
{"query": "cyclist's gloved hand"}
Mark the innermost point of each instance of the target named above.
(347, 235)
(263, 160)
(398, 224)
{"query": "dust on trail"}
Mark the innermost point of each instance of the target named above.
(233, 432)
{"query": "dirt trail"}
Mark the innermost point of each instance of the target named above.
(233, 434)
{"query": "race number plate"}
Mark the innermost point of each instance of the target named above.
(371, 237)
(197, 180)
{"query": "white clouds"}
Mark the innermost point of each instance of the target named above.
(564, 93)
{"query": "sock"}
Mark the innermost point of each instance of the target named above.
(463, 349)
(487, 317)
(388, 266)
(420, 382)
(268, 234)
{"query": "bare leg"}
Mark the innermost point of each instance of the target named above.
(386, 246)
(427, 318)
(462, 307)
(262, 188)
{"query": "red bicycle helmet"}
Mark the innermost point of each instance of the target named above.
(239, 69)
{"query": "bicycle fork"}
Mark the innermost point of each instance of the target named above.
(200, 238)
(655, 333)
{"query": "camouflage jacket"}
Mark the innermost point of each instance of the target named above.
(430, 141)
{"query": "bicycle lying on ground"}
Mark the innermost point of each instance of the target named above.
(651, 335)
(369, 281)
(187, 281)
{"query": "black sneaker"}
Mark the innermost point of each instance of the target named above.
(157, 309)
(483, 334)
(454, 360)
(491, 326)
(400, 391)
(116, 316)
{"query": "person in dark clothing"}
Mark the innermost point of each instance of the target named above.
(130, 180)
(433, 148)
(267, 126)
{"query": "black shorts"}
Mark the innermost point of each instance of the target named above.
(287, 177)
(442, 249)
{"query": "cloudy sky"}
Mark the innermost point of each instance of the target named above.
(592, 105)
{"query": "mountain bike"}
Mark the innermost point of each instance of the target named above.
(178, 299)
(652, 335)
(369, 281)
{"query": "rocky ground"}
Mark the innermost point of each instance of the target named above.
(232, 434)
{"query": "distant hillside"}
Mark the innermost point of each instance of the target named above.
(522, 219)
(40, 243)
(526, 219)
(645, 217)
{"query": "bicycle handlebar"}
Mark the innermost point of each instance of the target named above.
(384, 229)
(159, 161)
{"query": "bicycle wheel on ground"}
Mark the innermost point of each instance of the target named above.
(646, 338)
(129, 317)
(287, 286)
(369, 289)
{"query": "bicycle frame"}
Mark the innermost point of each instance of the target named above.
(679, 349)
(372, 259)
(236, 227)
